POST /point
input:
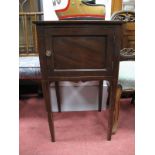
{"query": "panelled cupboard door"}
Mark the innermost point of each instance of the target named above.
(77, 50)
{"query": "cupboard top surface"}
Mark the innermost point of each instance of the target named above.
(78, 22)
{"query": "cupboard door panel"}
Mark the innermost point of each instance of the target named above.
(83, 51)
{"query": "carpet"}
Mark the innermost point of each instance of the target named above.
(77, 133)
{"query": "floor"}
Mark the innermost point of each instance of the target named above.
(77, 133)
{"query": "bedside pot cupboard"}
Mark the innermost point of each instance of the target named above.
(79, 51)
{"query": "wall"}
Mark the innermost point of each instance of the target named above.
(81, 96)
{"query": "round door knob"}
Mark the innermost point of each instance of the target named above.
(48, 53)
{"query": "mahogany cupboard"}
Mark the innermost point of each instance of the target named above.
(79, 50)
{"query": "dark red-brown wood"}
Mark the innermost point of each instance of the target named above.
(79, 50)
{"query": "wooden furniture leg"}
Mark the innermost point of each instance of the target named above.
(112, 95)
(108, 98)
(116, 109)
(133, 99)
(58, 95)
(100, 95)
(45, 87)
